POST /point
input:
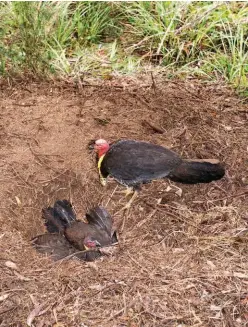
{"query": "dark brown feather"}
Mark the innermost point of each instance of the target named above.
(70, 234)
(79, 230)
(58, 247)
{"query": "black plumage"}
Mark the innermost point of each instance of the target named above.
(133, 163)
(197, 171)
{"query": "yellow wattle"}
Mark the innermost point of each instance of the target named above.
(102, 179)
(100, 161)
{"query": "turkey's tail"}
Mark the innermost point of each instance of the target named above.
(58, 217)
(197, 171)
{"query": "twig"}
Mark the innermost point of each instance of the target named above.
(9, 309)
(140, 99)
(23, 104)
(163, 318)
(37, 156)
(153, 83)
(20, 177)
(174, 216)
(142, 222)
(124, 218)
(156, 129)
(21, 136)
(76, 253)
(230, 196)
(111, 196)
(120, 311)
(55, 177)
(26, 89)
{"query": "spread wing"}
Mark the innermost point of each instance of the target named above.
(100, 217)
(54, 245)
(59, 217)
(65, 211)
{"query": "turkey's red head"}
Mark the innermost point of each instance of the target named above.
(101, 147)
(91, 243)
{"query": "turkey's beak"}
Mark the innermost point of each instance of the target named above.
(91, 145)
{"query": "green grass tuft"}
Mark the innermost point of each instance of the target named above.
(203, 39)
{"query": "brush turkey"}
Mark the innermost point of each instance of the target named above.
(133, 163)
(69, 236)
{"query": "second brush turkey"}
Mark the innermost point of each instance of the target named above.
(69, 236)
(133, 163)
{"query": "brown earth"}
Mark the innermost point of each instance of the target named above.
(183, 256)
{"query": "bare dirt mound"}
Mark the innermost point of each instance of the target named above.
(183, 249)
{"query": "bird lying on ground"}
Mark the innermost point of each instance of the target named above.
(69, 236)
(133, 163)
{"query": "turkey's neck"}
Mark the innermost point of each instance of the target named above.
(102, 151)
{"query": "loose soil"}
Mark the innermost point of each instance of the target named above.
(183, 254)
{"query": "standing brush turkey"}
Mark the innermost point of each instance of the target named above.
(133, 163)
(71, 237)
